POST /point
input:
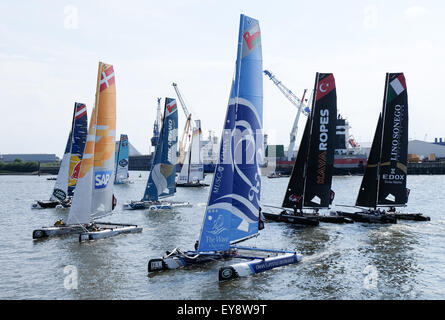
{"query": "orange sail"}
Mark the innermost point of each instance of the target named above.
(94, 192)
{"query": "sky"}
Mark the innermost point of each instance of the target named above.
(49, 54)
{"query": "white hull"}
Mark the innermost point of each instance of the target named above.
(109, 230)
(249, 268)
(155, 205)
(99, 230)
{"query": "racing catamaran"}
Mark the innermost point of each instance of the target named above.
(384, 181)
(311, 179)
(69, 168)
(161, 181)
(94, 197)
(122, 161)
(233, 210)
(192, 171)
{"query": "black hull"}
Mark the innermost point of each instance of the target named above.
(192, 185)
(330, 219)
(289, 218)
(412, 216)
(368, 217)
(48, 204)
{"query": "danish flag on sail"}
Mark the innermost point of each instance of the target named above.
(107, 77)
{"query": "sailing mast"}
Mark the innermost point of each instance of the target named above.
(311, 179)
(384, 182)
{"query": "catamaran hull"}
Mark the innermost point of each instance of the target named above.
(244, 269)
(369, 218)
(411, 216)
(108, 230)
(329, 219)
(155, 206)
(179, 261)
(192, 185)
(44, 204)
(47, 232)
(288, 218)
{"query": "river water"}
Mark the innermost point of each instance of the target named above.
(354, 261)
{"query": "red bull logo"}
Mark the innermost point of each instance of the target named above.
(75, 164)
(76, 170)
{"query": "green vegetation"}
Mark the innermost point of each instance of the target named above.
(19, 166)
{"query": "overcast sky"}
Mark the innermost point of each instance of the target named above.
(49, 52)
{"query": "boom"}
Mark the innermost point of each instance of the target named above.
(297, 102)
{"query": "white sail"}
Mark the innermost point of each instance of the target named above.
(193, 169)
(60, 191)
(196, 165)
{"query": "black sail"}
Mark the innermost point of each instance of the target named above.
(367, 195)
(394, 147)
(320, 160)
(295, 188)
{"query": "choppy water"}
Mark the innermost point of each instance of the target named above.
(339, 260)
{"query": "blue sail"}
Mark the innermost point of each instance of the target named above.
(161, 182)
(233, 206)
(78, 140)
(122, 161)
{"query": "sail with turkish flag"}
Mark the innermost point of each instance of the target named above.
(94, 192)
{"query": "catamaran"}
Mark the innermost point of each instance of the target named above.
(310, 183)
(192, 171)
(122, 161)
(72, 157)
(94, 197)
(161, 181)
(232, 213)
(384, 181)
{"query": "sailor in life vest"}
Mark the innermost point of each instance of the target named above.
(260, 220)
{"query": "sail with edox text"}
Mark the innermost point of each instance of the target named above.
(384, 182)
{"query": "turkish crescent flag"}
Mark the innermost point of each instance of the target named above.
(324, 86)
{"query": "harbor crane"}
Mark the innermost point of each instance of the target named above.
(298, 103)
(187, 128)
(156, 125)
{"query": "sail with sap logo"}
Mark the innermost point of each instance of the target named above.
(122, 160)
(233, 206)
(161, 182)
(94, 192)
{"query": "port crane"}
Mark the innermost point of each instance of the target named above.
(155, 138)
(298, 103)
(187, 128)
